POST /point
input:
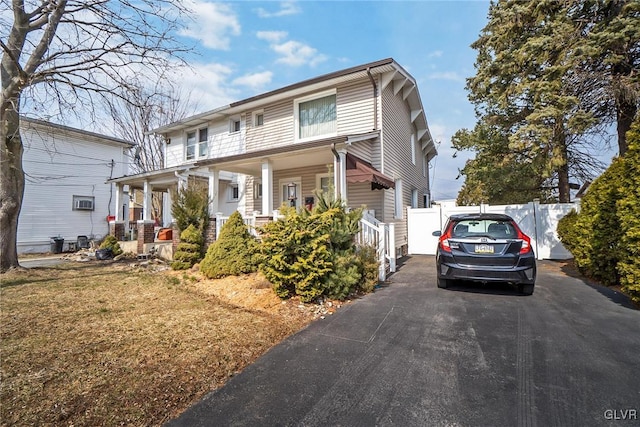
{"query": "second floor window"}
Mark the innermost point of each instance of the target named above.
(203, 142)
(199, 139)
(191, 145)
(317, 117)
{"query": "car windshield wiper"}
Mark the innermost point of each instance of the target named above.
(484, 235)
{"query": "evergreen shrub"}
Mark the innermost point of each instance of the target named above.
(190, 206)
(604, 237)
(312, 254)
(189, 250)
(233, 253)
(110, 242)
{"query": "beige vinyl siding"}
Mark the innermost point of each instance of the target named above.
(354, 104)
(396, 133)
(277, 129)
(363, 149)
(354, 107)
(360, 194)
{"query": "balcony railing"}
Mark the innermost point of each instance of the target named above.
(226, 144)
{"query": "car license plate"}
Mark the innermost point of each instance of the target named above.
(484, 249)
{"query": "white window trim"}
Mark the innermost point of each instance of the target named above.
(195, 145)
(296, 115)
(230, 188)
(413, 148)
(257, 190)
(399, 204)
(254, 119)
(205, 142)
(232, 122)
(424, 166)
(414, 199)
(319, 177)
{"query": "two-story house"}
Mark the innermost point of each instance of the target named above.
(361, 132)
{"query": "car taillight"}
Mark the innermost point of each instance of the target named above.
(526, 242)
(444, 240)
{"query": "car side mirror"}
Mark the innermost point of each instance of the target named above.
(437, 233)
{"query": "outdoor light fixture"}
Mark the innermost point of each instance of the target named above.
(291, 191)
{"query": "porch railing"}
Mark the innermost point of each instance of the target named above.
(249, 221)
(382, 237)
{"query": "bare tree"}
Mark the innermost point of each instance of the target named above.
(72, 53)
(147, 108)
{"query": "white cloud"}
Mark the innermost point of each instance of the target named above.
(272, 36)
(213, 24)
(255, 80)
(448, 75)
(291, 52)
(435, 54)
(208, 85)
(286, 8)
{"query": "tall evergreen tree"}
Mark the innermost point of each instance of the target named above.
(535, 83)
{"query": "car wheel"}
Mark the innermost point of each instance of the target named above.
(443, 283)
(526, 289)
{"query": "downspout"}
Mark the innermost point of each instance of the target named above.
(375, 99)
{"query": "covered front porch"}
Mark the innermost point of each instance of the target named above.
(257, 184)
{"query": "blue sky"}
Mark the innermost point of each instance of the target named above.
(246, 48)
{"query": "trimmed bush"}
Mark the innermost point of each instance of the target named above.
(604, 237)
(233, 253)
(189, 250)
(312, 254)
(110, 242)
(628, 210)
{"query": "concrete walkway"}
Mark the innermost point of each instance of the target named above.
(44, 261)
(411, 354)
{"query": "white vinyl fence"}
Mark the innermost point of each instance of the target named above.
(537, 221)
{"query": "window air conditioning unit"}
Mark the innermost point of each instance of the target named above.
(84, 204)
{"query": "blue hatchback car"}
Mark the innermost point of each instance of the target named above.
(485, 248)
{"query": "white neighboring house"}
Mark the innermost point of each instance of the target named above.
(65, 191)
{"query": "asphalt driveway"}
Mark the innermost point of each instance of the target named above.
(411, 354)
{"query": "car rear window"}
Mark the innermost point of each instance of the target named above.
(484, 227)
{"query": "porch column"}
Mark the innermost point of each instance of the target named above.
(146, 203)
(214, 183)
(167, 216)
(267, 187)
(119, 199)
(336, 177)
(343, 175)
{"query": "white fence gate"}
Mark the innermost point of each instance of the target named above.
(537, 221)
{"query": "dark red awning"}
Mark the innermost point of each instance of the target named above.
(360, 171)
